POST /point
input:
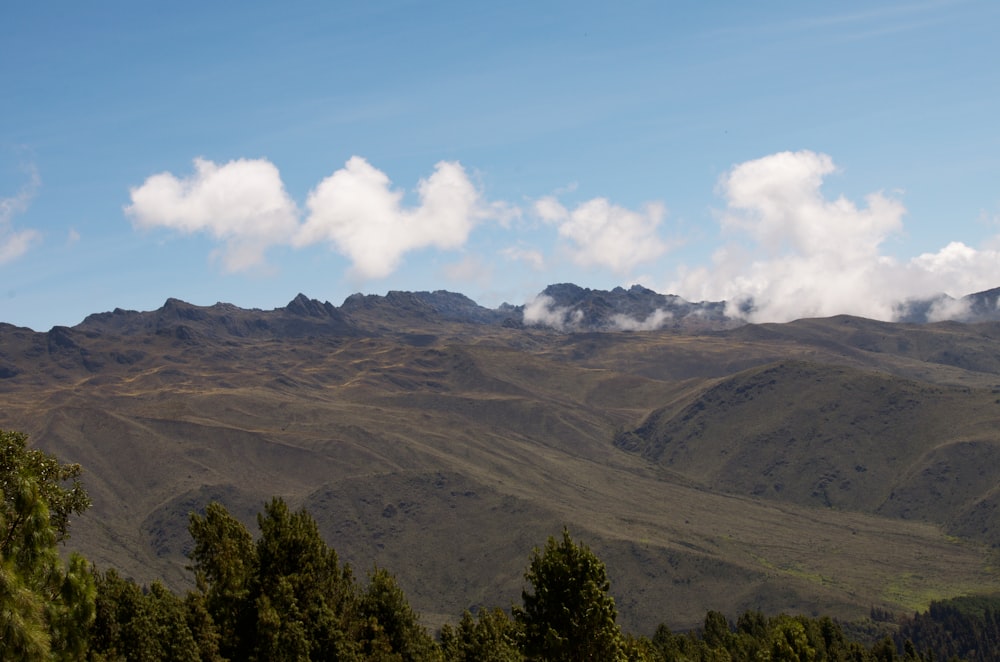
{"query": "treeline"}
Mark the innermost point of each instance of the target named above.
(966, 628)
(284, 595)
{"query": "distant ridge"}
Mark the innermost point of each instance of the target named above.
(637, 308)
(361, 314)
(976, 307)
(185, 321)
(563, 306)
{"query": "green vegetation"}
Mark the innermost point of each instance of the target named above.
(285, 595)
(965, 628)
(570, 615)
(46, 605)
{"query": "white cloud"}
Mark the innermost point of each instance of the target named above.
(654, 321)
(15, 243)
(948, 308)
(529, 256)
(356, 210)
(550, 210)
(790, 250)
(777, 200)
(542, 311)
(601, 234)
(469, 270)
(243, 203)
(812, 256)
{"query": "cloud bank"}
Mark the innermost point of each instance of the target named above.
(15, 243)
(787, 249)
(791, 252)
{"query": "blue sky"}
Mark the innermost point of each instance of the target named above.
(816, 157)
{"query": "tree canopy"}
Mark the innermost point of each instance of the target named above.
(46, 605)
(285, 595)
(569, 615)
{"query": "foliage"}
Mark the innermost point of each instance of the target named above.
(154, 624)
(383, 603)
(966, 628)
(46, 605)
(287, 597)
(224, 565)
(492, 636)
(570, 615)
(780, 638)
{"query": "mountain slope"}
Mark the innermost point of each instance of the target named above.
(837, 437)
(432, 439)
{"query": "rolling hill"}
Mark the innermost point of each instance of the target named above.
(820, 466)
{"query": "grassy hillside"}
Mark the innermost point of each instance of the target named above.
(820, 466)
(836, 437)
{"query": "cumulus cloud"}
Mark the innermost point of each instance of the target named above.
(543, 311)
(962, 268)
(793, 252)
(601, 234)
(356, 210)
(242, 203)
(15, 243)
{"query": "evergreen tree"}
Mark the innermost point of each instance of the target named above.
(225, 563)
(491, 637)
(384, 603)
(305, 600)
(569, 615)
(46, 605)
(137, 625)
(287, 597)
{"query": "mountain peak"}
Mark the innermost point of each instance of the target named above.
(304, 306)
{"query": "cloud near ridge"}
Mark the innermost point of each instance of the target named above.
(601, 234)
(788, 250)
(15, 243)
(543, 311)
(243, 204)
(792, 253)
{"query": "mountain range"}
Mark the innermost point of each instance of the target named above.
(818, 466)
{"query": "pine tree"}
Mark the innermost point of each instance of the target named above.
(570, 615)
(384, 603)
(492, 637)
(46, 605)
(287, 597)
